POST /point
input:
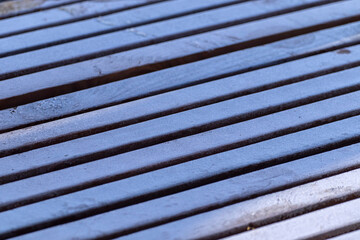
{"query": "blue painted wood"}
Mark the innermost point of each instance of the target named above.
(216, 194)
(191, 97)
(259, 211)
(60, 15)
(157, 32)
(182, 124)
(169, 151)
(243, 138)
(27, 87)
(187, 172)
(105, 23)
(317, 225)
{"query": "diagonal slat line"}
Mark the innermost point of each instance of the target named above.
(274, 118)
(233, 201)
(67, 21)
(209, 101)
(161, 65)
(208, 152)
(18, 100)
(117, 99)
(36, 46)
(295, 213)
(290, 212)
(204, 181)
(184, 133)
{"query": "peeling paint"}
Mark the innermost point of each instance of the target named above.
(16, 6)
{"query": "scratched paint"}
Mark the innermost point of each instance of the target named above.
(10, 7)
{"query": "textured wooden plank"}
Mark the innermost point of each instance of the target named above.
(212, 195)
(160, 31)
(29, 86)
(182, 124)
(115, 21)
(309, 225)
(239, 216)
(120, 115)
(61, 15)
(190, 172)
(169, 152)
(255, 137)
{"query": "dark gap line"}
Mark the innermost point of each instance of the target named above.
(295, 213)
(194, 57)
(76, 19)
(29, 11)
(202, 182)
(175, 135)
(98, 33)
(337, 232)
(217, 206)
(57, 92)
(173, 162)
(206, 102)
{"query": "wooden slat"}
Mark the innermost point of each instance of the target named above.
(264, 209)
(169, 152)
(158, 32)
(124, 114)
(61, 15)
(315, 224)
(107, 23)
(191, 172)
(210, 196)
(181, 124)
(245, 117)
(27, 87)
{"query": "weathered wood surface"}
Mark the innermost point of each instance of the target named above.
(182, 99)
(215, 195)
(319, 224)
(106, 23)
(278, 205)
(61, 15)
(27, 87)
(161, 31)
(208, 119)
(173, 126)
(13, 8)
(194, 171)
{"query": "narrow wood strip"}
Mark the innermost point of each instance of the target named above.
(117, 222)
(174, 145)
(189, 148)
(62, 15)
(248, 214)
(310, 225)
(179, 125)
(207, 93)
(23, 89)
(95, 26)
(98, 46)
